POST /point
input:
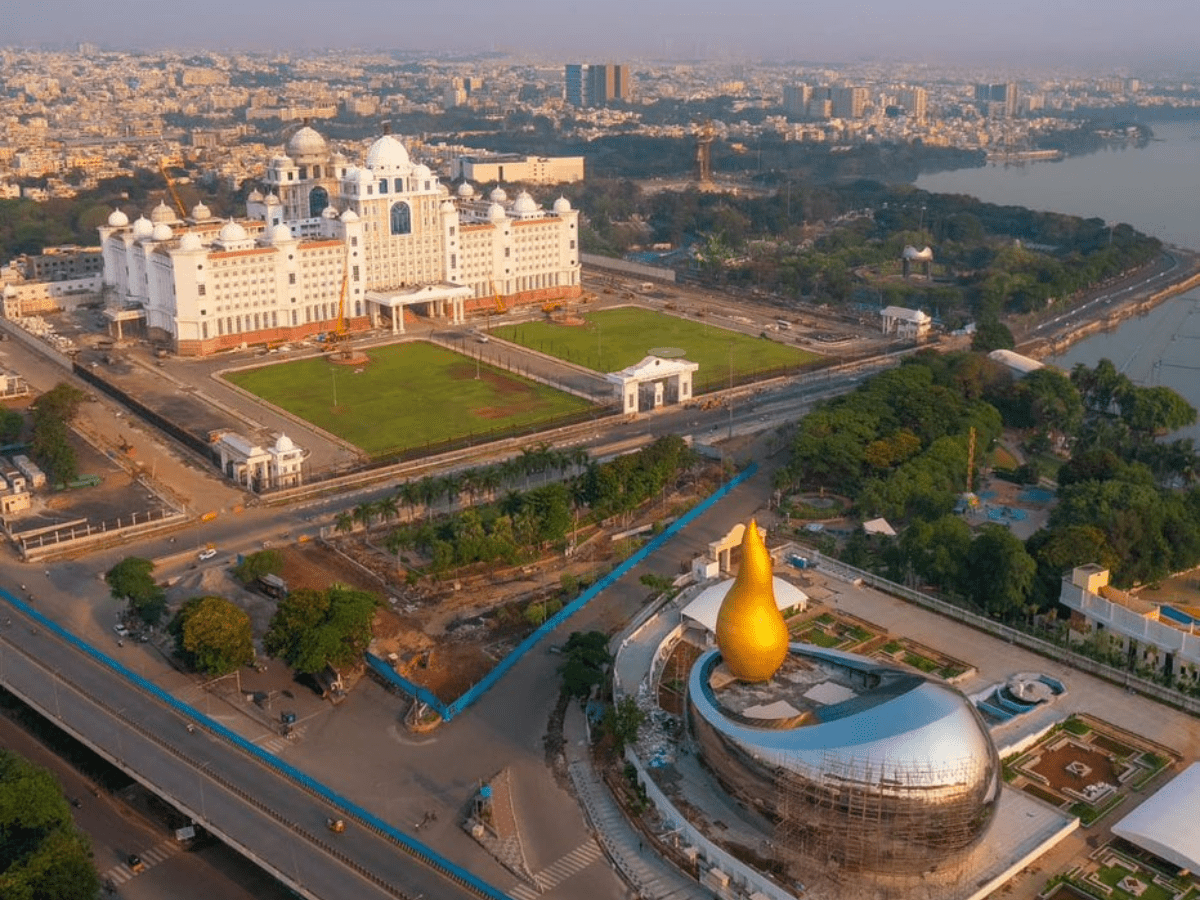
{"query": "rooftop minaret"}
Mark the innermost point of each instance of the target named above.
(751, 633)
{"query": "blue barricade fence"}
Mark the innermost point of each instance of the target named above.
(420, 851)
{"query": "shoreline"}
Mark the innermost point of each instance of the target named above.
(1110, 317)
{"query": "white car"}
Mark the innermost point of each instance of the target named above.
(121, 630)
(207, 553)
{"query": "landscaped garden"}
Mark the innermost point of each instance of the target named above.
(612, 339)
(409, 395)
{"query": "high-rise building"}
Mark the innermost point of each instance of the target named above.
(849, 102)
(795, 99)
(598, 84)
(997, 100)
(914, 100)
(576, 85)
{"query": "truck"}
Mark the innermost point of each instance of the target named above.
(273, 586)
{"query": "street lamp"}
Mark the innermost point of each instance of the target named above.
(333, 376)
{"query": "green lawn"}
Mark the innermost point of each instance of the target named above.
(410, 395)
(612, 339)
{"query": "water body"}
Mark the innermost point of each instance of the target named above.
(1156, 189)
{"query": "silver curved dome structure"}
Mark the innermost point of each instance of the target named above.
(861, 765)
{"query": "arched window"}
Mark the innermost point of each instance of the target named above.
(318, 199)
(401, 218)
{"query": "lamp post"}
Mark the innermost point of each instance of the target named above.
(333, 376)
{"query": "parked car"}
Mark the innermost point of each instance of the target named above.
(207, 553)
(121, 629)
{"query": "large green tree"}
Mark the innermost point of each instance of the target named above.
(42, 855)
(999, 573)
(586, 655)
(255, 565)
(213, 635)
(312, 629)
(132, 579)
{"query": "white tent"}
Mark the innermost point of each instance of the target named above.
(1165, 824)
(703, 610)
(879, 526)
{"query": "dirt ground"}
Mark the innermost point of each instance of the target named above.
(1053, 767)
(446, 635)
(117, 495)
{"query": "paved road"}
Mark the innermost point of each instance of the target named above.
(270, 818)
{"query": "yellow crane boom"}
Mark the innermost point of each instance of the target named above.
(162, 168)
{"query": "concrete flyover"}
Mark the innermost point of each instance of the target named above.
(273, 814)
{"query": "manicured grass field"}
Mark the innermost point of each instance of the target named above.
(409, 395)
(612, 339)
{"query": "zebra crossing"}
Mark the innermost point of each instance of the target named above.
(281, 742)
(121, 873)
(559, 870)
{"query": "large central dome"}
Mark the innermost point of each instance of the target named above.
(307, 146)
(871, 766)
(387, 155)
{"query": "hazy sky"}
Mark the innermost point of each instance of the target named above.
(1103, 34)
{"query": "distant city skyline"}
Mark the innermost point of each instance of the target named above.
(1022, 34)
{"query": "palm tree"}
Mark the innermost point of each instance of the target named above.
(451, 486)
(344, 522)
(410, 495)
(363, 513)
(386, 507)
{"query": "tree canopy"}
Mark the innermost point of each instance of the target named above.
(42, 855)
(213, 635)
(132, 579)
(586, 655)
(255, 565)
(312, 629)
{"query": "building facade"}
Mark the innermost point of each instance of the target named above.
(336, 247)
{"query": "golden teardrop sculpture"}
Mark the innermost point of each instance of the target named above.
(751, 633)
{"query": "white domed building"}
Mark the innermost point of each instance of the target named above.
(388, 230)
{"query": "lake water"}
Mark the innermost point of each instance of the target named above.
(1156, 189)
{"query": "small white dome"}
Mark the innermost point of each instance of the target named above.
(118, 219)
(231, 231)
(280, 233)
(142, 228)
(190, 241)
(447, 206)
(349, 216)
(466, 191)
(306, 144)
(162, 232)
(200, 211)
(161, 213)
(496, 212)
(329, 212)
(498, 195)
(255, 197)
(283, 444)
(524, 204)
(562, 205)
(422, 172)
(388, 155)
(272, 199)
(443, 190)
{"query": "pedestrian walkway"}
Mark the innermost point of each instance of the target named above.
(651, 877)
(560, 870)
(121, 873)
